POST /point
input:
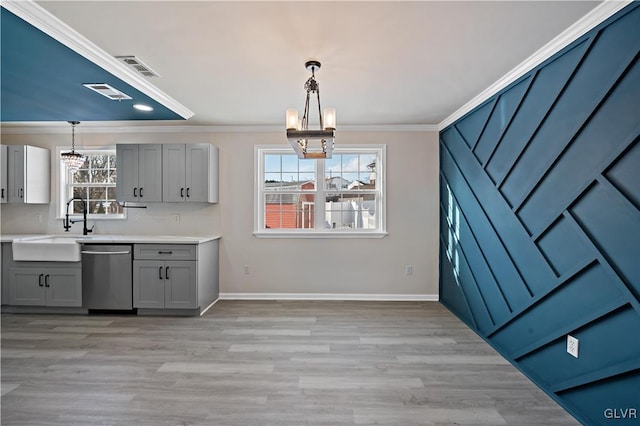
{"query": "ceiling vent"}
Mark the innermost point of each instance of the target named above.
(108, 91)
(138, 66)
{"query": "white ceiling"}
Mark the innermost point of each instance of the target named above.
(383, 63)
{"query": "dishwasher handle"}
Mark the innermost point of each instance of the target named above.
(105, 252)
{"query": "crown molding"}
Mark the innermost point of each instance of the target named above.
(126, 127)
(40, 18)
(585, 24)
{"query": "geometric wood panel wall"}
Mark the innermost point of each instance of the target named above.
(540, 222)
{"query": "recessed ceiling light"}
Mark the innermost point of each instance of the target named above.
(142, 107)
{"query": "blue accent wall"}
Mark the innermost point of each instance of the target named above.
(540, 221)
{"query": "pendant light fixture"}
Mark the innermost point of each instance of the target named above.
(298, 132)
(73, 160)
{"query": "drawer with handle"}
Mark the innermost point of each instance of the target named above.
(165, 251)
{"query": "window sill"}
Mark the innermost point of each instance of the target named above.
(89, 217)
(319, 234)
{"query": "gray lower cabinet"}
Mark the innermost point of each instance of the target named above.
(165, 284)
(43, 285)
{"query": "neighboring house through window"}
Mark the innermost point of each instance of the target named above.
(340, 196)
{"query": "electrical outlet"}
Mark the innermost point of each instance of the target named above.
(245, 268)
(572, 345)
(175, 218)
(408, 269)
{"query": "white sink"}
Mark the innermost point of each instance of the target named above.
(46, 249)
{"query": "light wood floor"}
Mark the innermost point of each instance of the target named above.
(264, 363)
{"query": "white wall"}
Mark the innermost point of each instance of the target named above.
(293, 266)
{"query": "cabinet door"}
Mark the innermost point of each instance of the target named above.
(63, 287)
(16, 173)
(150, 173)
(173, 173)
(181, 285)
(37, 177)
(127, 170)
(197, 162)
(3, 174)
(26, 287)
(148, 284)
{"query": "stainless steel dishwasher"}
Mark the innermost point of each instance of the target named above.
(107, 277)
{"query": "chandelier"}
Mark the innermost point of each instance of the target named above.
(72, 160)
(298, 132)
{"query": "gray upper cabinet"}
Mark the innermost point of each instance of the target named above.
(3, 174)
(139, 169)
(27, 174)
(190, 173)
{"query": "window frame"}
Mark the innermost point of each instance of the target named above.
(320, 195)
(63, 183)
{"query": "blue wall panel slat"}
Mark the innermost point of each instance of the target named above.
(608, 58)
(500, 118)
(548, 83)
(495, 300)
(596, 402)
(600, 346)
(613, 224)
(549, 227)
(514, 289)
(523, 252)
(473, 124)
(563, 248)
(574, 300)
(451, 292)
(618, 123)
(623, 174)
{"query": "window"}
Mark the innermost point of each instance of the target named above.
(340, 196)
(95, 183)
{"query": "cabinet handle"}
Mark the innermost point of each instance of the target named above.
(160, 272)
(164, 252)
(2, 192)
(166, 272)
(40, 280)
(46, 280)
(140, 192)
(21, 192)
(181, 193)
(135, 192)
(188, 192)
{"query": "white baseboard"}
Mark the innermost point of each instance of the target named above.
(331, 296)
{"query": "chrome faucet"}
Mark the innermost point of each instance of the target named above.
(67, 223)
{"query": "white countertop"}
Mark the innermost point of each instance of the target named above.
(129, 239)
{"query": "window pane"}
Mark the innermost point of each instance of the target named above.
(289, 164)
(272, 179)
(81, 176)
(111, 192)
(80, 192)
(113, 207)
(98, 193)
(307, 180)
(272, 163)
(112, 177)
(350, 163)
(349, 211)
(289, 211)
(99, 176)
(76, 207)
(99, 161)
